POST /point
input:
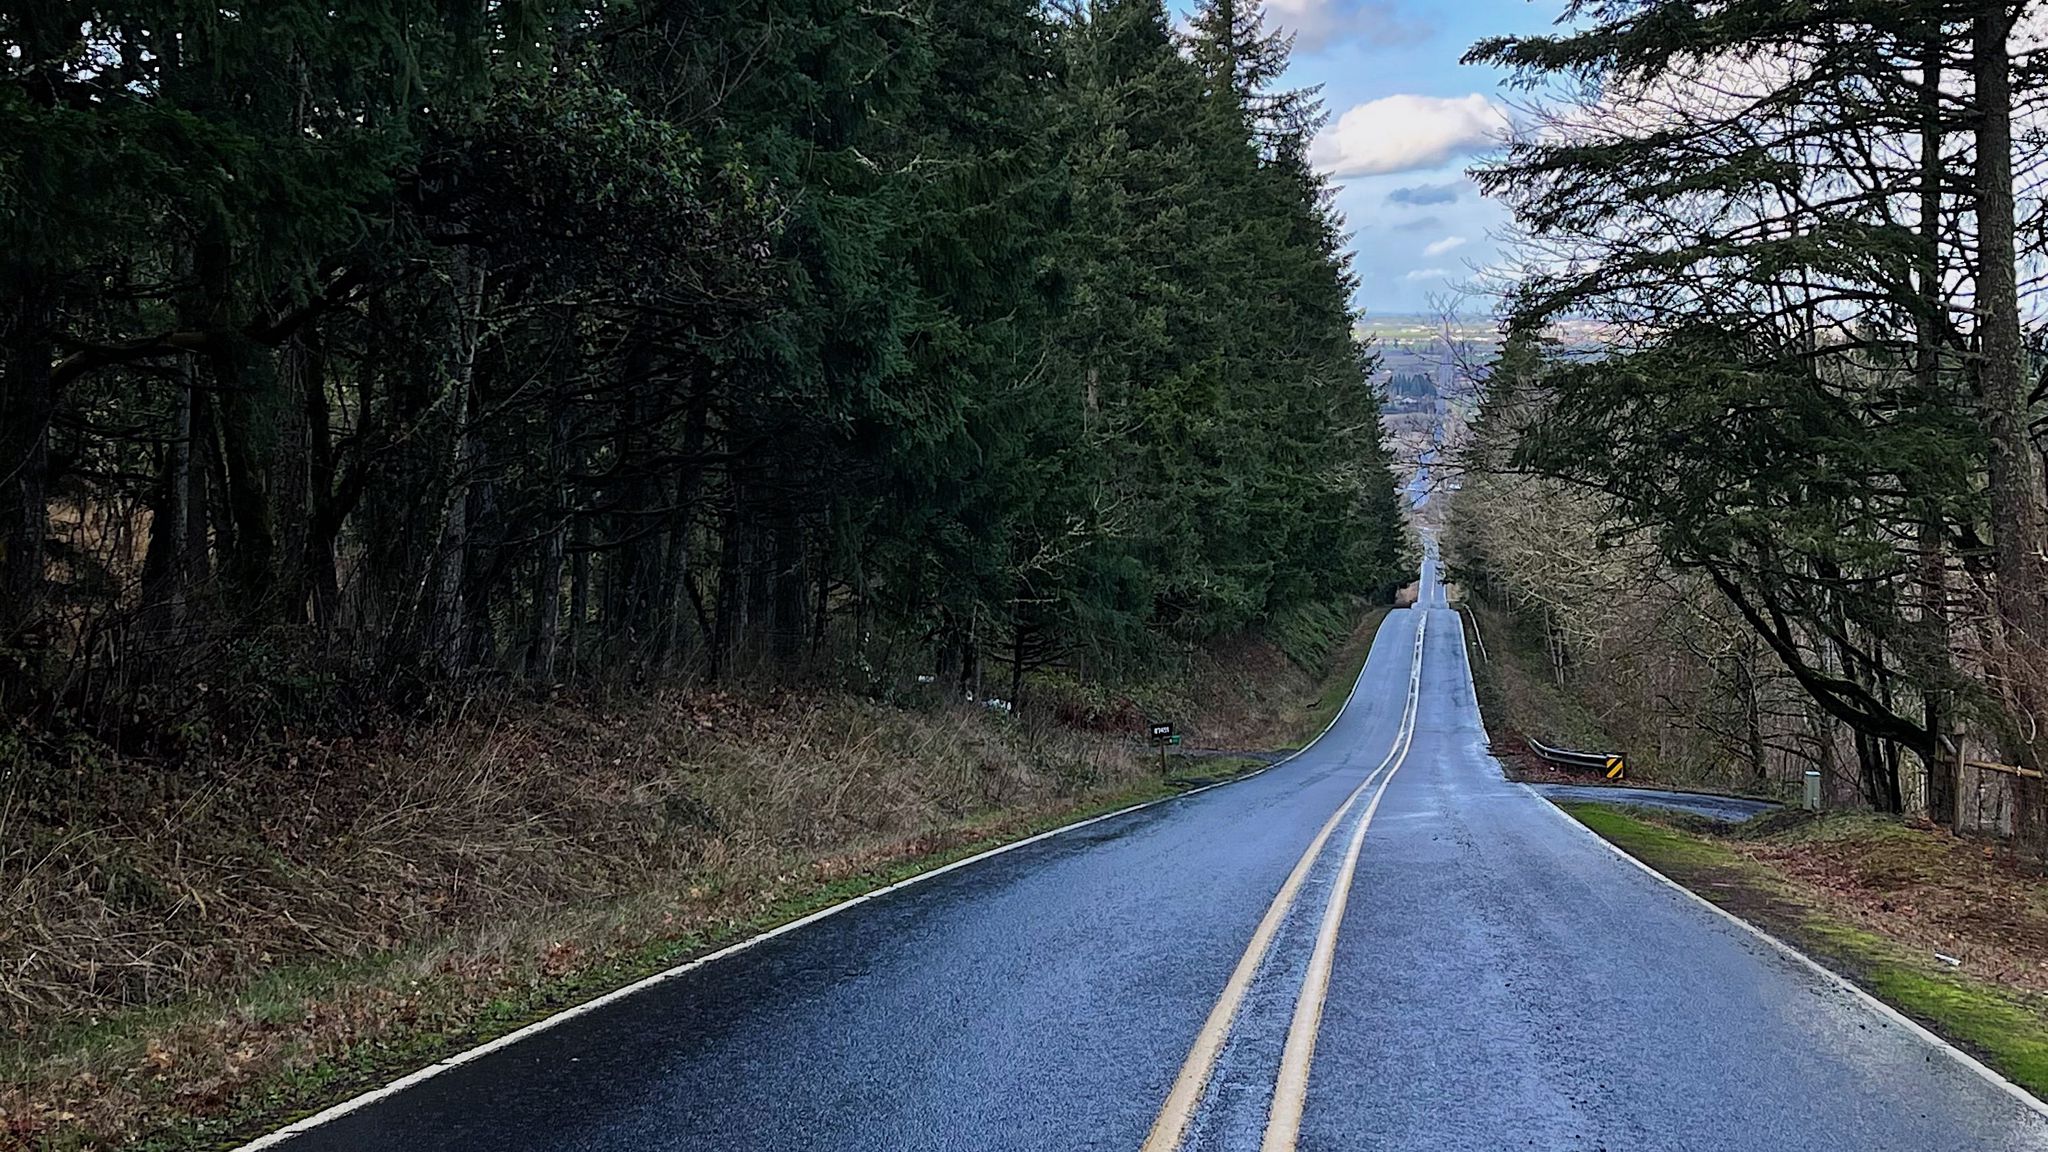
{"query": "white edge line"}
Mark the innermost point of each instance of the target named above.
(1988, 1074)
(337, 1111)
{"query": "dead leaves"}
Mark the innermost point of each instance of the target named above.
(157, 1060)
(1928, 889)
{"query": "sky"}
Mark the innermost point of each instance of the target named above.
(1406, 120)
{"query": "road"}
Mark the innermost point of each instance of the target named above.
(1491, 977)
(1726, 809)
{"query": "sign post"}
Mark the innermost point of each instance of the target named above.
(1163, 735)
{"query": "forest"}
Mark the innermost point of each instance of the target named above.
(1785, 507)
(359, 352)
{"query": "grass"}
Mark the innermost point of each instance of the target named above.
(519, 997)
(1752, 873)
(1656, 844)
(193, 951)
(312, 1088)
(1975, 1017)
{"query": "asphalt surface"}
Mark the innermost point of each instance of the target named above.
(1500, 980)
(1727, 809)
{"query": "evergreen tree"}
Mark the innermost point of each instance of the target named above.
(404, 344)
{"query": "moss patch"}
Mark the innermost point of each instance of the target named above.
(1653, 842)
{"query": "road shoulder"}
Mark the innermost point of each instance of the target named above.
(1835, 895)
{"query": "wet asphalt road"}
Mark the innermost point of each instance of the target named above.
(1726, 809)
(1500, 981)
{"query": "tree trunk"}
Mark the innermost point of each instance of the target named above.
(2019, 522)
(246, 439)
(725, 613)
(1752, 717)
(332, 498)
(1019, 644)
(677, 607)
(547, 587)
(821, 605)
(165, 567)
(1940, 780)
(201, 463)
(579, 587)
(292, 499)
(448, 623)
(787, 587)
(28, 400)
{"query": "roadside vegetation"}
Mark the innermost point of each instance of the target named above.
(1947, 930)
(1951, 929)
(1520, 698)
(1755, 484)
(1761, 452)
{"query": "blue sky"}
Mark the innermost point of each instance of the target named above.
(1405, 119)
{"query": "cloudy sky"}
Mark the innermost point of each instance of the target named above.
(1406, 118)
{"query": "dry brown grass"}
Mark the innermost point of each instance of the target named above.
(1965, 897)
(169, 937)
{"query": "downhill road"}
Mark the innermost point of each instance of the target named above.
(1380, 944)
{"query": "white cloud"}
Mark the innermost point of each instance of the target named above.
(1447, 244)
(1427, 274)
(1408, 133)
(1316, 24)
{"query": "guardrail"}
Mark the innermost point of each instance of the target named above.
(1469, 614)
(1611, 764)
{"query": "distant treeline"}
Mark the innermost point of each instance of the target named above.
(384, 344)
(1411, 386)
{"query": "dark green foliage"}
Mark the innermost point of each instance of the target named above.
(715, 337)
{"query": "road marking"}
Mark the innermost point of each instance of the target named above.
(1171, 1125)
(1855, 991)
(1290, 1088)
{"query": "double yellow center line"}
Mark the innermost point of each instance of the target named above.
(1290, 1090)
